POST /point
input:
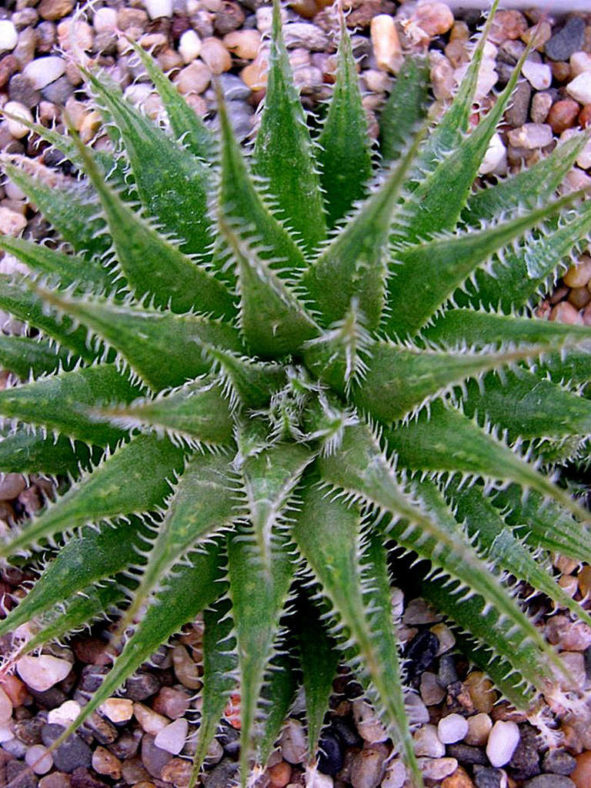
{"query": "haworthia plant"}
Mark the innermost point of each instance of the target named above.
(259, 374)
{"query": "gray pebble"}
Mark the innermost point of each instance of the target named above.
(69, 755)
(558, 762)
(549, 781)
(464, 753)
(21, 90)
(18, 775)
(518, 112)
(567, 41)
(447, 673)
(222, 775)
(233, 88)
(58, 92)
(488, 778)
(154, 758)
(141, 686)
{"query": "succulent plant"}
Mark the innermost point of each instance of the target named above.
(260, 377)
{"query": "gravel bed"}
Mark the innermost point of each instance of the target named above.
(465, 736)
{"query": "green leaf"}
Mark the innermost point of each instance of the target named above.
(279, 692)
(219, 665)
(283, 153)
(247, 383)
(192, 588)
(354, 264)
(28, 451)
(445, 440)
(345, 152)
(241, 205)
(145, 336)
(179, 284)
(83, 560)
(68, 268)
(26, 356)
(274, 322)
(405, 109)
(327, 533)
(188, 128)
(146, 463)
(398, 381)
(258, 600)
(173, 184)
(73, 211)
(59, 402)
(319, 660)
(198, 413)
(430, 272)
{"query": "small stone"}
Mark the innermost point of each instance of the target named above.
(172, 703)
(580, 88)
(502, 742)
(566, 41)
(306, 35)
(549, 781)
(43, 672)
(8, 36)
(11, 484)
(540, 107)
(459, 779)
(70, 755)
(481, 691)
(395, 776)
(437, 768)
(172, 737)
(558, 762)
(16, 129)
(442, 75)
(445, 637)
(117, 709)
(53, 10)
(575, 664)
(105, 20)
(386, 43)
(468, 754)
(530, 136)
(452, 728)
(133, 772)
(158, 8)
(494, 156)
(432, 693)
(185, 668)
(565, 313)
(55, 780)
(434, 18)
(140, 686)
(539, 75)
(64, 714)
(330, 760)
(15, 689)
(243, 43)
(39, 759)
(581, 776)
(104, 762)
(150, 721)
(427, 742)
(215, 56)
(279, 774)
(189, 46)
(421, 652)
(525, 761)
(194, 78)
(419, 612)
(518, 112)
(154, 758)
(563, 115)
(489, 778)
(369, 726)
(19, 774)
(560, 630)
(368, 766)
(255, 74)
(293, 742)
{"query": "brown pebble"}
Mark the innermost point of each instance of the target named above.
(215, 55)
(55, 9)
(279, 774)
(579, 297)
(55, 780)
(507, 25)
(565, 313)
(8, 66)
(582, 773)
(584, 580)
(481, 691)
(560, 70)
(563, 115)
(459, 779)
(104, 762)
(177, 771)
(243, 43)
(12, 485)
(229, 17)
(172, 703)
(584, 115)
(434, 18)
(579, 275)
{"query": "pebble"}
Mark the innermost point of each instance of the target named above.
(395, 776)
(53, 10)
(330, 760)
(215, 56)
(158, 8)
(502, 742)
(525, 761)
(8, 36)
(489, 778)
(16, 129)
(154, 759)
(581, 776)
(368, 766)
(459, 779)
(366, 720)
(293, 742)
(117, 709)
(172, 703)
(437, 768)
(549, 781)
(415, 708)
(172, 737)
(386, 43)
(445, 637)
(149, 720)
(558, 762)
(64, 714)
(243, 43)
(531, 136)
(566, 41)
(419, 612)
(428, 743)
(140, 686)
(279, 774)
(481, 690)
(580, 88)
(539, 75)
(189, 46)
(105, 20)
(306, 35)
(315, 780)
(518, 112)
(434, 18)
(11, 484)
(43, 672)
(560, 630)
(467, 754)
(39, 759)
(104, 762)
(70, 755)
(55, 780)
(452, 728)
(432, 693)
(495, 155)
(479, 727)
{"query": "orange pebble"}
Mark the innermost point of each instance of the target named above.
(582, 773)
(15, 689)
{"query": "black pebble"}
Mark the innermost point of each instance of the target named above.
(421, 652)
(330, 760)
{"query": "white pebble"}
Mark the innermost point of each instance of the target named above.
(579, 62)
(539, 75)
(39, 759)
(105, 20)
(44, 70)
(8, 35)
(173, 737)
(428, 743)
(64, 714)
(16, 129)
(293, 742)
(189, 46)
(452, 728)
(368, 725)
(395, 777)
(315, 779)
(11, 222)
(158, 8)
(6, 733)
(580, 88)
(42, 673)
(386, 43)
(502, 742)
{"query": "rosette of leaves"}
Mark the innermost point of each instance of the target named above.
(263, 373)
